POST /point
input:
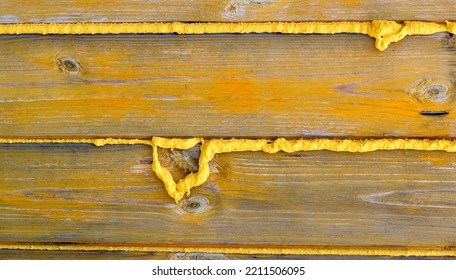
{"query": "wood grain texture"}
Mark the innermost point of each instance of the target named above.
(12, 11)
(274, 85)
(87, 195)
(103, 255)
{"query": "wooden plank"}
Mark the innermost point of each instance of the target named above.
(12, 11)
(80, 194)
(78, 255)
(123, 255)
(274, 85)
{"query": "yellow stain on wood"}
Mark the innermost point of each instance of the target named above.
(304, 250)
(385, 32)
(209, 148)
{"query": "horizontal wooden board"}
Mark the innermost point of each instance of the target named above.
(80, 194)
(125, 255)
(13, 11)
(226, 85)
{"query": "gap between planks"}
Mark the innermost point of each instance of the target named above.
(385, 32)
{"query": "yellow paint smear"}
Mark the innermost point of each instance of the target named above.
(304, 250)
(385, 32)
(209, 148)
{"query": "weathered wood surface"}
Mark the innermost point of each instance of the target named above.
(87, 195)
(124, 255)
(13, 11)
(274, 85)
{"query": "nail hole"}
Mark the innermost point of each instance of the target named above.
(68, 65)
(434, 113)
(194, 204)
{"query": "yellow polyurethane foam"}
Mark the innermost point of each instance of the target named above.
(385, 32)
(212, 147)
(209, 148)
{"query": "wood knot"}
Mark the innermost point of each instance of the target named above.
(259, 2)
(238, 7)
(432, 90)
(194, 204)
(451, 40)
(200, 256)
(68, 65)
(231, 9)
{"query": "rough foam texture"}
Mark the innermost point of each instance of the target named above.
(217, 146)
(385, 32)
(209, 148)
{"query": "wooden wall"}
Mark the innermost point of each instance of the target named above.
(252, 86)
